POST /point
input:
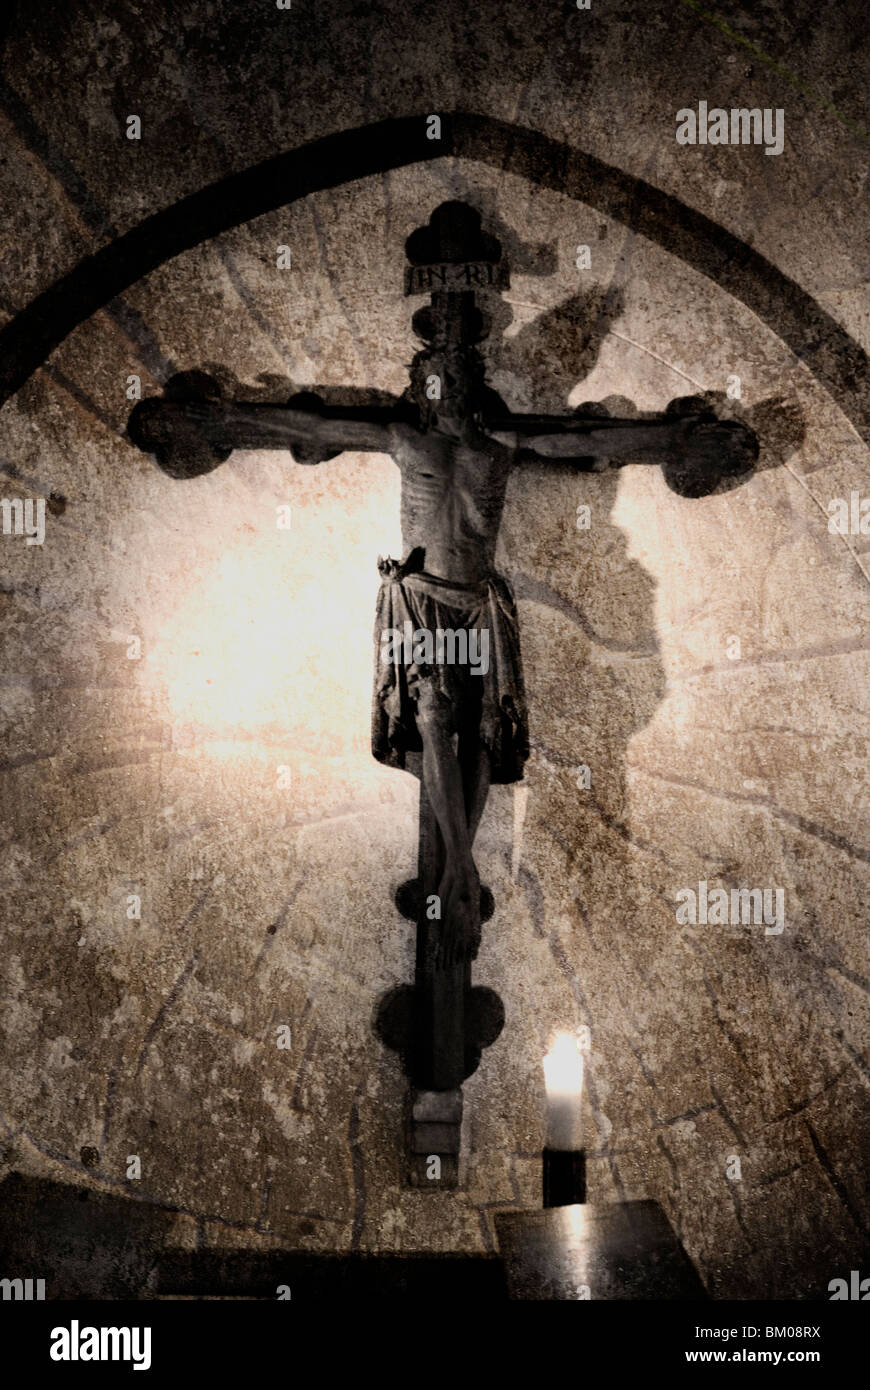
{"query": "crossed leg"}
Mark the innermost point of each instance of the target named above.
(457, 782)
(476, 769)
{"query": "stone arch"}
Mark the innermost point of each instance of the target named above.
(818, 340)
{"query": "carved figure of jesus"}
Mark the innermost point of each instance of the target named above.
(455, 444)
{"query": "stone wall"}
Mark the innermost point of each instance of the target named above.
(154, 774)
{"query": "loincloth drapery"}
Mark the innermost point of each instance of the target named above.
(493, 702)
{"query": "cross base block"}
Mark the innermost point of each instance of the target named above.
(434, 1139)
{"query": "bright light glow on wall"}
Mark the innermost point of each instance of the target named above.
(269, 631)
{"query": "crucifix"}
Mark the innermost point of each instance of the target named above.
(449, 702)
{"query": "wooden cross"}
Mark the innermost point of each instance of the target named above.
(456, 726)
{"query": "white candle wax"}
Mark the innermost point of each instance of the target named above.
(563, 1077)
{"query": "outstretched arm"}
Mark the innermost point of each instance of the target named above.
(595, 442)
(192, 435)
(695, 449)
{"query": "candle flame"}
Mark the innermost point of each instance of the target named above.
(563, 1067)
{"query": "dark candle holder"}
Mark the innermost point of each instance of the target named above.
(564, 1177)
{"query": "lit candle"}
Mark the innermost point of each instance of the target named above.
(563, 1077)
(564, 1157)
